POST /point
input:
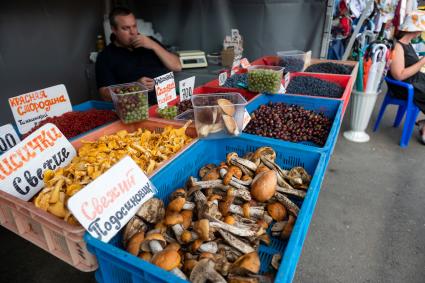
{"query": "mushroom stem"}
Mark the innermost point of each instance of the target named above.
(292, 207)
(291, 191)
(204, 271)
(204, 184)
(208, 247)
(272, 165)
(254, 230)
(155, 247)
(178, 273)
(239, 193)
(235, 242)
(234, 181)
(178, 231)
(256, 212)
(188, 205)
(237, 161)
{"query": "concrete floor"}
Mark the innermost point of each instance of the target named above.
(368, 226)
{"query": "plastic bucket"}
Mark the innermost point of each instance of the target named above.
(362, 105)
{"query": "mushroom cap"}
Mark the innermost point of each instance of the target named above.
(153, 237)
(229, 219)
(135, 242)
(152, 211)
(230, 124)
(187, 218)
(186, 236)
(211, 175)
(248, 263)
(145, 256)
(230, 156)
(173, 246)
(262, 168)
(196, 244)
(176, 204)
(263, 186)
(226, 106)
(167, 259)
(203, 229)
(277, 211)
(189, 264)
(245, 209)
(173, 219)
(180, 192)
(207, 255)
(265, 151)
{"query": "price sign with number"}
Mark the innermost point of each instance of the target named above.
(186, 88)
(245, 63)
(222, 78)
(8, 138)
(165, 89)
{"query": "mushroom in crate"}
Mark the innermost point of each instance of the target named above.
(212, 228)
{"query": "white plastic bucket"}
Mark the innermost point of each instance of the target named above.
(362, 104)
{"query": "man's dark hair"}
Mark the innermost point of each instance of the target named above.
(118, 11)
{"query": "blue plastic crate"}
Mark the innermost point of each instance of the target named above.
(116, 265)
(330, 108)
(93, 104)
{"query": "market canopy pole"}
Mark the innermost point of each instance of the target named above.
(328, 29)
(357, 29)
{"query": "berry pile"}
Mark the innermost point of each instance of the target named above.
(168, 112)
(314, 86)
(290, 123)
(235, 79)
(292, 64)
(184, 105)
(264, 80)
(131, 103)
(330, 68)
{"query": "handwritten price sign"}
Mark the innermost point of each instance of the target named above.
(165, 88)
(30, 108)
(105, 205)
(186, 88)
(8, 138)
(22, 167)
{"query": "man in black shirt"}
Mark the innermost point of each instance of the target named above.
(131, 56)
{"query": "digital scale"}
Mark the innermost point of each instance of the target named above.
(192, 59)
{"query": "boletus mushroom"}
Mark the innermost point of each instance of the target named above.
(226, 106)
(263, 186)
(169, 259)
(246, 264)
(230, 124)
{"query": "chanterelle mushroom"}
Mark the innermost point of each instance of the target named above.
(204, 271)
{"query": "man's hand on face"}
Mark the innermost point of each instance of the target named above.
(142, 41)
(147, 82)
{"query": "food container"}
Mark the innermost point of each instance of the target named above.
(117, 265)
(292, 61)
(267, 79)
(330, 108)
(55, 235)
(130, 101)
(218, 115)
(214, 58)
(185, 116)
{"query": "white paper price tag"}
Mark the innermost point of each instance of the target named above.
(222, 77)
(245, 63)
(246, 119)
(105, 205)
(30, 108)
(22, 167)
(165, 89)
(235, 67)
(186, 88)
(8, 138)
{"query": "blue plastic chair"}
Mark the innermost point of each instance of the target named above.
(404, 106)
